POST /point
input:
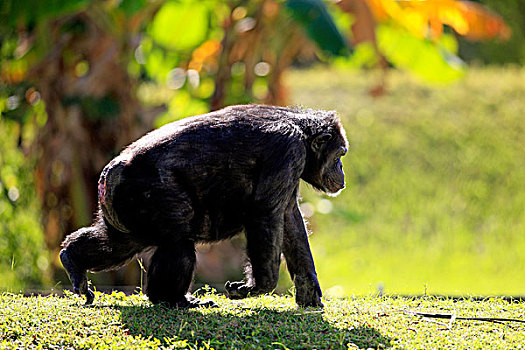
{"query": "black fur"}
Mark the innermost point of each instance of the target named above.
(208, 178)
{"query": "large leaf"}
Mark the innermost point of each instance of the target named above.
(180, 25)
(427, 18)
(319, 25)
(418, 55)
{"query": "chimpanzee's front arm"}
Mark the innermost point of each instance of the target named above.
(265, 218)
(299, 259)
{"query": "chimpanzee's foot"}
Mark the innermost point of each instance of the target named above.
(77, 277)
(237, 290)
(194, 302)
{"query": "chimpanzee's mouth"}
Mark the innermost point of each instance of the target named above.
(334, 187)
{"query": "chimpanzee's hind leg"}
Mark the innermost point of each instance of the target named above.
(96, 248)
(170, 275)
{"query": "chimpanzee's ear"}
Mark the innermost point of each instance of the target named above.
(319, 140)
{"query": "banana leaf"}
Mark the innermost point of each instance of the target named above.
(319, 25)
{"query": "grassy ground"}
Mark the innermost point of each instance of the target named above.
(269, 322)
(436, 197)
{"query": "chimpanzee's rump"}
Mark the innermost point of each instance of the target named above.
(110, 178)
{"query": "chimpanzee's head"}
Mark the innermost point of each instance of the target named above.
(324, 169)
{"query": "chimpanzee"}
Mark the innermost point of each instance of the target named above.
(209, 178)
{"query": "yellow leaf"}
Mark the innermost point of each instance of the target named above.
(427, 18)
(483, 24)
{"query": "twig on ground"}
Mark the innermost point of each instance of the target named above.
(453, 317)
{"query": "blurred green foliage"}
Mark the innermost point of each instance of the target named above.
(33, 11)
(434, 62)
(190, 47)
(24, 260)
(181, 25)
(436, 198)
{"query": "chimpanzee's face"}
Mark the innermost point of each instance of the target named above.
(324, 169)
(333, 176)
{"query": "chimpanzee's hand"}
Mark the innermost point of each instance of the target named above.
(307, 291)
(77, 276)
(237, 290)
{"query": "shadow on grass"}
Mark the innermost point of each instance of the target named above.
(248, 328)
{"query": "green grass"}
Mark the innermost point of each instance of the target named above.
(436, 184)
(268, 322)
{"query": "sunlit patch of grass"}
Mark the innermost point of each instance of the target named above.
(117, 321)
(436, 198)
